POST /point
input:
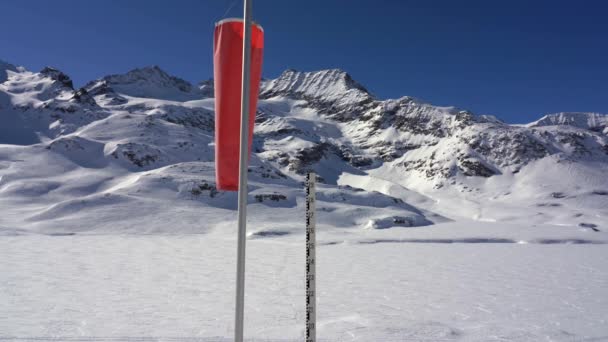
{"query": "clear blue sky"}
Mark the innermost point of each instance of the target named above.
(515, 59)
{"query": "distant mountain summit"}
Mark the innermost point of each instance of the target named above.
(333, 91)
(58, 76)
(4, 67)
(147, 82)
(329, 85)
(592, 121)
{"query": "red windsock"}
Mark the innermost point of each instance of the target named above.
(227, 72)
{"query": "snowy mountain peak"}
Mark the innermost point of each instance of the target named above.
(152, 73)
(331, 91)
(327, 84)
(592, 121)
(149, 82)
(4, 67)
(58, 76)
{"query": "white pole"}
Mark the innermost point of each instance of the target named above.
(311, 305)
(243, 160)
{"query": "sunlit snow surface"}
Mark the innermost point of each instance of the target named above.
(465, 281)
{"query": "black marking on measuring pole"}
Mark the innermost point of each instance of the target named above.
(311, 304)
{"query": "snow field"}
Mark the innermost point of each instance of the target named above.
(471, 281)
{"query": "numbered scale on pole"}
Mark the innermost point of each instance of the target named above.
(311, 304)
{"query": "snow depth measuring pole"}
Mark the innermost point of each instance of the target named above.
(311, 303)
(243, 158)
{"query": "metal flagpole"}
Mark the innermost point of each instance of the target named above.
(243, 159)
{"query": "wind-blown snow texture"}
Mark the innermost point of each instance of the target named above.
(133, 153)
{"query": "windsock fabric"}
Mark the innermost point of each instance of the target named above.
(227, 72)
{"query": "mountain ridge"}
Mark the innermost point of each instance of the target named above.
(593, 121)
(148, 136)
(282, 85)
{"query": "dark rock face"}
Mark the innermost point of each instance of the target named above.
(359, 161)
(575, 140)
(430, 168)
(137, 154)
(101, 88)
(207, 88)
(403, 221)
(409, 115)
(82, 96)
(474, 168)
(58, 76)
(591, 226)
(419, 125)
(193, 117)
(270, 197)
(98, 88)
(307, 157)
(200, 189)
(140, 161)
(507, 147)
(266, 172)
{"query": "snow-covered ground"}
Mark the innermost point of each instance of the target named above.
(466, 281)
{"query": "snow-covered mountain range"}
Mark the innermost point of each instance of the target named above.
(134, 153)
